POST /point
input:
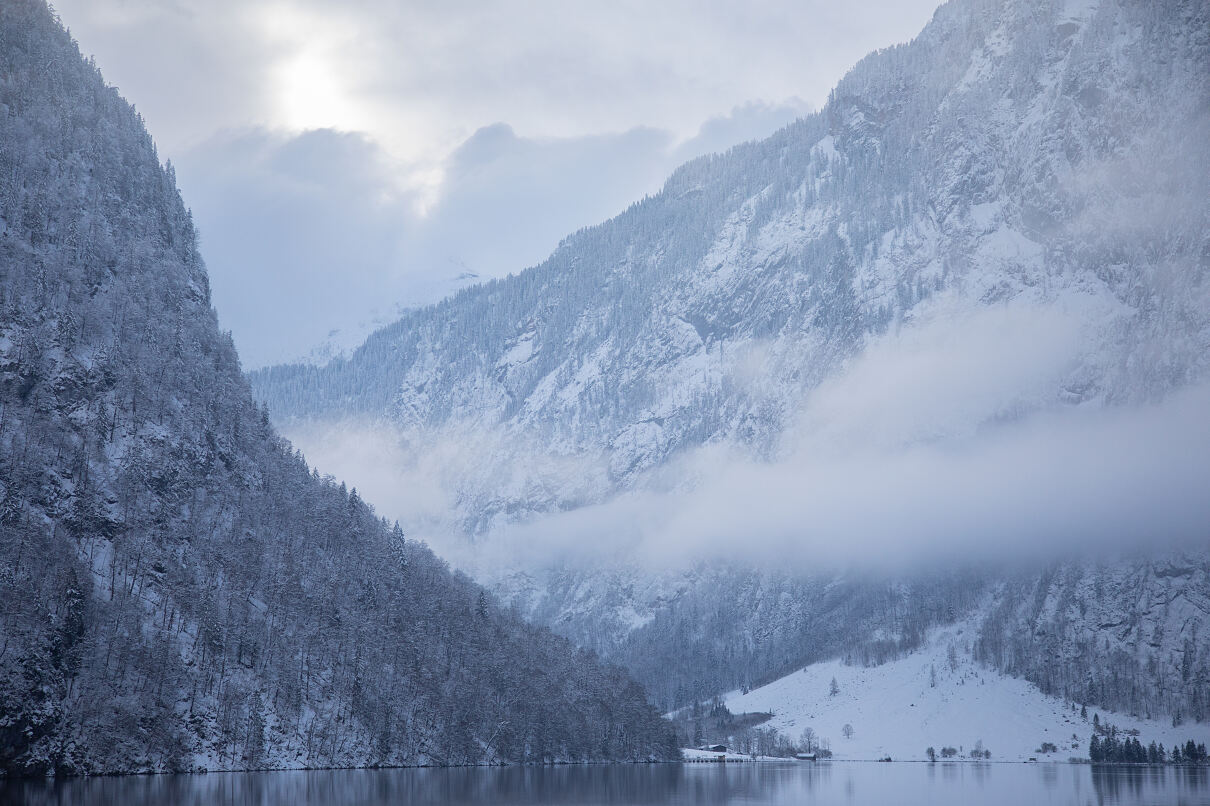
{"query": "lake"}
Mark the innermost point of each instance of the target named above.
(850, 783)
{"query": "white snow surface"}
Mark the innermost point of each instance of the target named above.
(693, 754)
(894, 711)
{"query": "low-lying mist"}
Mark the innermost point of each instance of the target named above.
(963, 435)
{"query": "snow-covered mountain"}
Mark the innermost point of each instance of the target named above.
(1044, 150)
(1006, 219)
(178, 589)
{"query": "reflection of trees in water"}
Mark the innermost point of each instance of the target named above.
(1114, 783)
(1128, 783)
(954, 771)
(1195, 779)
(644, 784)
(637, 784)
(723, 783)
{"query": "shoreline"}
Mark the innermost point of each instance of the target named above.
(534, 764)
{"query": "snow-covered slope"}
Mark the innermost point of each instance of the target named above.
(177, 588)
(1038, 163)
(939, 698)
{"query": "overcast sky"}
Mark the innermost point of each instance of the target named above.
(343, 159)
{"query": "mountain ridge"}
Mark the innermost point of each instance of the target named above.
(674, 300)
(1020, 158)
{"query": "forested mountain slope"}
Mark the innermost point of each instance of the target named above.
(179, 589)
(1130, 636)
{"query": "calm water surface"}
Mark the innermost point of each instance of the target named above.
(852, 784)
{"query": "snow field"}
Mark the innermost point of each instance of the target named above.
(896, 711)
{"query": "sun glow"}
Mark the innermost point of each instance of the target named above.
(312, 89)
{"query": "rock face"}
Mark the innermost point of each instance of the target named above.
(1050, 154)
(1129, 635)
(180, 590)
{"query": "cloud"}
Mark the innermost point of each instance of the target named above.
(944, 441)
(448, 484)
(1054, 484)
(301, 234)
(753, 120)
(951, 371)
(421, 77)
(555, 69)
(191, 68)
(601, 103)
(506, 200)
(304, 234)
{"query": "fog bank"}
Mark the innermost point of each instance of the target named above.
(953, 437)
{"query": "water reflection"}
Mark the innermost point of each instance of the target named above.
(1195, 778)
(944, 784)
(1130, 784)
(1117, 784)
